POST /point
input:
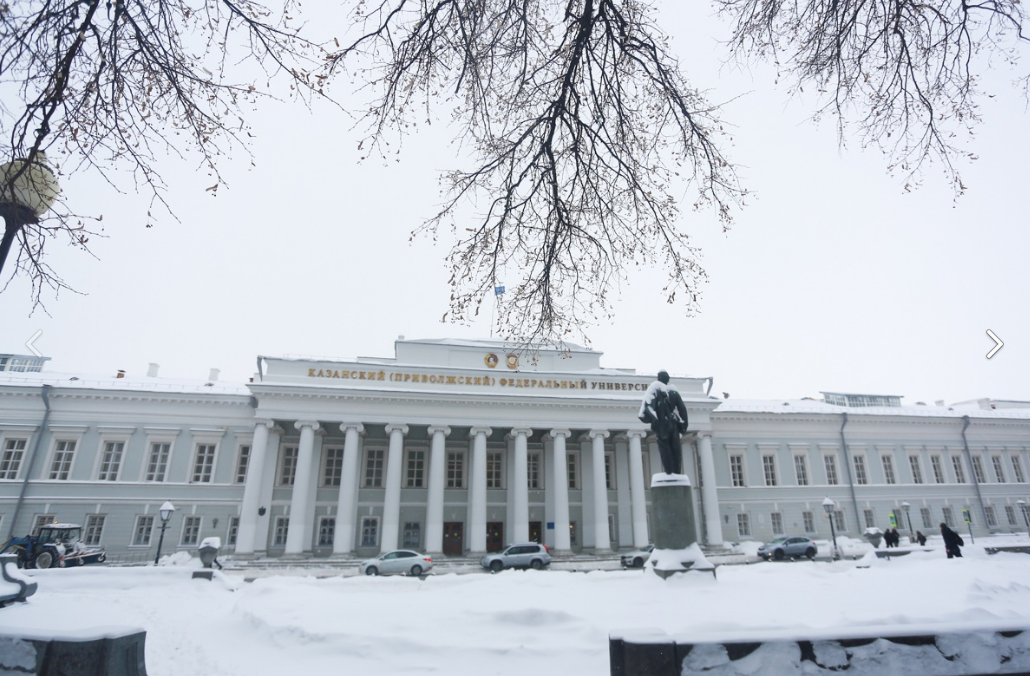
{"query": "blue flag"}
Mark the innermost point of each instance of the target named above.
(498, 290)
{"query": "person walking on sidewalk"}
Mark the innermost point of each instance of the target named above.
(952, 542)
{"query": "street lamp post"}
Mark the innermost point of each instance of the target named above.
(908, 517)
(166, 513)
(27, 189)
(1023, 507)
(828, 505)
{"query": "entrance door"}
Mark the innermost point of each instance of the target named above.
(536, 532)
(453, 542)
(495, 536)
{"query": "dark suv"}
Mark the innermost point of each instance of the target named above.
(518, 555)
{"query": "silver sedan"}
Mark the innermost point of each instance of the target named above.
(399, 562)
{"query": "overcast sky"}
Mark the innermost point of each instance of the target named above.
(834, 278)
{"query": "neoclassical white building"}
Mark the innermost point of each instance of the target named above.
(457, 447)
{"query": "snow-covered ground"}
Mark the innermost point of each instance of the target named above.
(555, 621)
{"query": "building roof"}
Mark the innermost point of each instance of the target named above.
(811, 406)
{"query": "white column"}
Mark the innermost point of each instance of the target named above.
(347, 501)
(602, 542)
(295, 542)
(392, 499)
(709, 494)
(247, 532)
(477, 491)
(434, 498)
(636, 488)
(560, 479)
(267, 483)
(625, 518)
(520, 479)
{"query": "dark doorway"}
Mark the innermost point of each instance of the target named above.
(453, 541)
(494, 536)
(535, 531)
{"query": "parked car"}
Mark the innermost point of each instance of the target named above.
(398, 562)
(638, 558)
(518, 555)
(788, 548)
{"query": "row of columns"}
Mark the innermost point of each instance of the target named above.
(298, 535)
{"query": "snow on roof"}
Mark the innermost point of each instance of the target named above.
(127, 383)
(811, 406)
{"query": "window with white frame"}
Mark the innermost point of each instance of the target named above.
(769, 469)
(190, 535)
(949, 517)
(737, 471)
(572, 464)
(917, 470)
(332, 466)
(233, 531)
(830, 462)
(412, 537)
(533, 471)
(861, 476)
(1010, 515)
(888, 469)
(157, 461)
(960, 472)
(111, 460)
(203, 464)
(801, 469)
(142, 531)
(870, 518)
(777, 523)
(978, 470)
(375, 459)
(999, 469)
(242, 462)
(10, 461)
(455, 469)
(415, 469)
(326, 531)
(808, 519)
(609, 470)
(494, 469)
(842, 524)
(94, 529)
(992, 518)
(42, 520)
(282, 529)
(937, 464)
(369, 531)
(288, 465)
(1017, 470)
(743, 525)
(60, 467)
(926, 516)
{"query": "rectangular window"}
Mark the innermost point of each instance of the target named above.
(573, 463)
(282, 529)
(1010, 514)
(326, 531)
(992, 518)
(242, 462)
(157, 463)
(917, 471)
(861, 477)
(332, 471)
(960, 473)
(737, 470)
(888, 469)
(141, 533)
(412, 535)
(94, 529)
(369, 531)
(533, 471)
(743, 526)
(831, 469)
(926, 516)
(288, 465)
(494, 470)
(234, 530)
(978, 470)
(769, 469)
(808, 518)
(609, 471)
(62, 464)
(842, 525)
(203, 464)
(43, 520)
(10, 462)
(455, 469)
(870, 518)
(111, 461)
(801, 470)
(1017, 470)
(938, 469)
(190, 531)
(999, 469)
(416, 470)
(949, 517)
(572, 532)
(777, 523)
(374, 460)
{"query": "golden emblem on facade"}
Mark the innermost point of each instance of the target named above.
(490, 360)
(512, 361)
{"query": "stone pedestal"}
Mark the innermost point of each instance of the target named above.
(675, 533)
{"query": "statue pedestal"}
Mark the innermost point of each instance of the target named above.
(675, 534)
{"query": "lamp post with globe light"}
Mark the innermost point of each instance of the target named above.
(828, 505)
(908, 517)
(1023, 507)
(27, 190)
(166, 513)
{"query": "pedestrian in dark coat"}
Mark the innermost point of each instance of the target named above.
(896, 536)
(920, 538)
(952, 542)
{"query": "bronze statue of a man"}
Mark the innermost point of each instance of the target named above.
(664, 410)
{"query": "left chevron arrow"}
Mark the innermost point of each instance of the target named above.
(30, 341)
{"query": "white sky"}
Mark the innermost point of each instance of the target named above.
(552, 621)
(833, 278)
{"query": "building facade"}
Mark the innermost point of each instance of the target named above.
(459, 447)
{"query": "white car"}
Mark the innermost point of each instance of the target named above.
(638, 558)
(398, 562)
